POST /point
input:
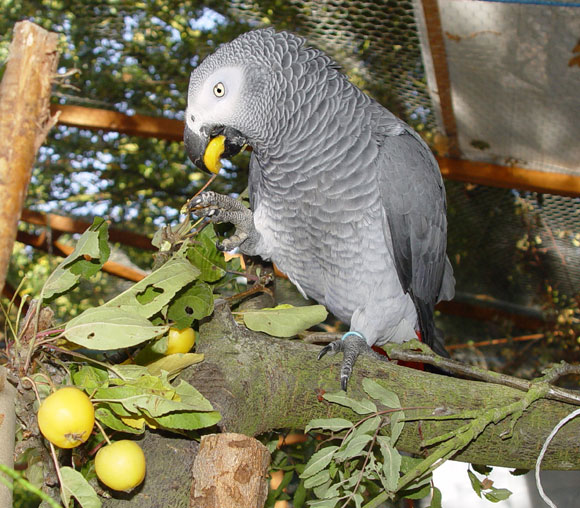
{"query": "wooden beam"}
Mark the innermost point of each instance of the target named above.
(24, 123)
(483, 313)
(134, 125)
(61, 249)
(510, 177)
(441, 71)
(455, 169)
(68, 225)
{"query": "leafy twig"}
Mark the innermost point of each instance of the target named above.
(408, 352)
(461, 437)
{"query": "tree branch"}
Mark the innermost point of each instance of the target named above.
(259, 384)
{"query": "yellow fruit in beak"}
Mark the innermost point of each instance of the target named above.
(213, 152)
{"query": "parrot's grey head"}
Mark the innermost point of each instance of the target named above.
(238, 92)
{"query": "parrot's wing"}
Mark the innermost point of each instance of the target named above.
(413, 199)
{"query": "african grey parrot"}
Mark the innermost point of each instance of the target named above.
(345, 198)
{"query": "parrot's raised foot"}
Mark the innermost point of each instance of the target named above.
(220, 208)
(352, 345)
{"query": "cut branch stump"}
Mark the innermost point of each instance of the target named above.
(230, 471)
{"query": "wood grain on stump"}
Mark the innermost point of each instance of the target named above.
(230, 471)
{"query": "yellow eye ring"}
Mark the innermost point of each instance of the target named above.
(219, 89)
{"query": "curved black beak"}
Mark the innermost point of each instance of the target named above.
(196, 144)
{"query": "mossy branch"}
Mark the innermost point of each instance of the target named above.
(260, 383)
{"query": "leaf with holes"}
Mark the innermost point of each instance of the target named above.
(151, 294)
(196, 302)
(103, 328)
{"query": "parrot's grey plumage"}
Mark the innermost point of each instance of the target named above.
(346, 198)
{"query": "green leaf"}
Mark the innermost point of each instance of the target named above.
(114, 422)
(90, 378)
(436, 498)
(195, 303)
(151, 294)
(188, 420)
(299, 496)
(318, 479)
(88, 257)
(353, 448)
(361, 407)
(204, 255)
(397, 425)
(376, 391)
(482, 469)
(475, 482)
(104, 328)
(284, 320)
(189, 395)
(497, 495)
(332, 424)
(330, 493)
(419, 489)
(408, 463)
(173, 364)
(75, 485)
(274, 495)
(369, 426)
(324, 503)
(321, 490)
(391, 463)
(153, 396)
(319, 461)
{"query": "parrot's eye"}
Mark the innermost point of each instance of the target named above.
(219, 90)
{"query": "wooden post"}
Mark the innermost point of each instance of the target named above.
(230, 471)
(7, 430)
(24, 123)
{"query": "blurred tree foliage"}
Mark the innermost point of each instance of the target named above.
(129, 57)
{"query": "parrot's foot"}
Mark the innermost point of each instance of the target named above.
(219, 208)
(352, 345)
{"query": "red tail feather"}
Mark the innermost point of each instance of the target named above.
(412, 365)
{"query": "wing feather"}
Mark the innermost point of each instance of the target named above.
(413, 197)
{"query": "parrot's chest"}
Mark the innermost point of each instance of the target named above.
(337, 252)
(322, 248)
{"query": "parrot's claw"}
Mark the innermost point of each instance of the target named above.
(351, 345)
(219, 208)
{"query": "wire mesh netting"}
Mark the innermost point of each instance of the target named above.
(515, 83)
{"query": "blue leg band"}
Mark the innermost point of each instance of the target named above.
(356, 334)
